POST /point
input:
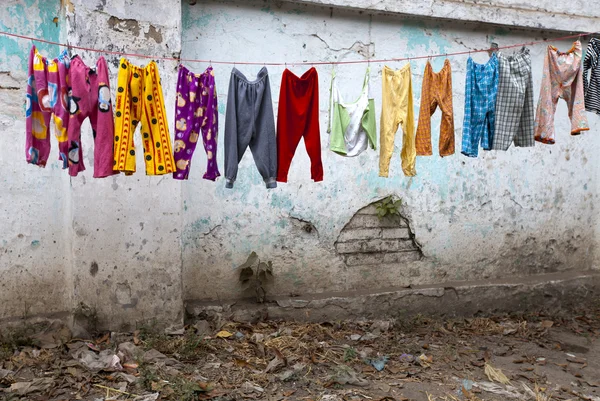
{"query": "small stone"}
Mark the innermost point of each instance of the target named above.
(202, 328)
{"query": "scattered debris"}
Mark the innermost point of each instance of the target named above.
(495, 375)
(379, 363)
(216, 359)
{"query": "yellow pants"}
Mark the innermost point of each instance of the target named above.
(397, 108)
(140, 102)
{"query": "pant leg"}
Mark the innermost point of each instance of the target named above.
(312, 130)
(79, 109)
(576, 104)
(37, 140)
(409, 153)
(154, 118)
(101, 119)
(128, 91)
(188, 116)
(210, 125)
(61, 108)
(238, 125)
(444, 100)
(263, 144)
(389, 119)
(490, 75)
(524, 137)
(428, 106)
(544, 116)
(470, 140)
(290, 126)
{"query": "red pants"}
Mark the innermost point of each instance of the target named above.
(299, 117)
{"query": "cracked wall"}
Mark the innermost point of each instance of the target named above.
(375, 248)
(523, 212)
(134, 248)
(111, 244)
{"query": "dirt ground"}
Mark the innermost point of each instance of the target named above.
(527, 357)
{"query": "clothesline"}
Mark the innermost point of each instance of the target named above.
(189, 60)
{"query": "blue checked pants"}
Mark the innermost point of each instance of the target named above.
(481, 90)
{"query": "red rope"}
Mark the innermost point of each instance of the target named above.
(285, 63)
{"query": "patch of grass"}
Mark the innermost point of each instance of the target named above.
(148, 375)
(187, 390)
(189, 347)
(13, 338)
(349, 354)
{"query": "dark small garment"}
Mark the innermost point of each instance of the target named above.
(591, 85)
(249, 121)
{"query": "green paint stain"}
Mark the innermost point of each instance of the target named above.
(29, 18)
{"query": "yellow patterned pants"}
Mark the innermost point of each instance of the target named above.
(140, 102)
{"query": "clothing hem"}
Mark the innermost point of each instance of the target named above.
(210, 178)
(590, 110)
(579, 131)
(271, 183)
(547, 141)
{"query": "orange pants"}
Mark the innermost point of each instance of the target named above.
(436, 91)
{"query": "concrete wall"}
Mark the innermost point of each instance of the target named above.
(134, 248)
(523, 212)
(35, 252)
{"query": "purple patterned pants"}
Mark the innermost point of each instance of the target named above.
(195, 111)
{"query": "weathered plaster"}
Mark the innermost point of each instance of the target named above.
(128, 226)
(34, 254)
(572, 16)
(134, 248)
(522, 212)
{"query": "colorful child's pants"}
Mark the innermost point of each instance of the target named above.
(562, 78)
(436, 91)
(195, 111)
(396, 109)
(514, 104)
(299, 117)
(140, 101)
(90, 97)
(480, 106)
(47, 94)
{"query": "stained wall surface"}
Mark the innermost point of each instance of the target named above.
(136, 248)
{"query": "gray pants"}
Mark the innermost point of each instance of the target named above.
(249, 120)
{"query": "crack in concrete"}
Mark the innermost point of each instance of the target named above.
(358, 47)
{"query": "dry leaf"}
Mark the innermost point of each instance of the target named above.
(495, 375)
(546, 324)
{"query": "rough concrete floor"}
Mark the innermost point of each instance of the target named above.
(544, 357)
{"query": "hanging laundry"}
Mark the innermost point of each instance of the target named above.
(562, 78)
(514, 102)
(352, 126)
(249, 121)
(90, 97)
(436, 91)
(140, 101)
(47, 95)
(299, 117)
(196, 111)
(396, 109)
(480, 105)
(591, 65)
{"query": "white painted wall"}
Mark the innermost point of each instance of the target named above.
(158, 242)
(522, 212)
